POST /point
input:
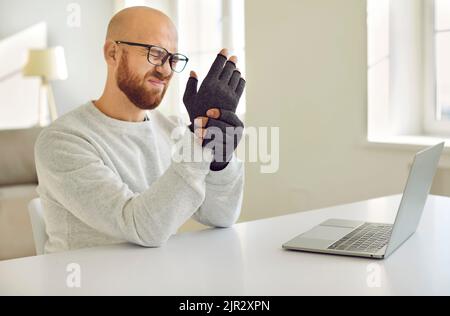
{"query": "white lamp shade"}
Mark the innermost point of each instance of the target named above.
(49, 64)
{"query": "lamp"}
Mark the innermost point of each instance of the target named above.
(50, 65)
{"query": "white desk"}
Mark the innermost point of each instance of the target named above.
(248, 260)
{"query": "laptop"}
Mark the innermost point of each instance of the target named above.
(376, 240)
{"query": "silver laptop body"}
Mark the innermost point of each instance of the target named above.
(376, 240)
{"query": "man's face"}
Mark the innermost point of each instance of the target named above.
(143, 83)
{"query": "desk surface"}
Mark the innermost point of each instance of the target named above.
(248, 260)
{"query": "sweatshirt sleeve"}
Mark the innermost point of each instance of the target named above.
(75, 176)
(224, 195)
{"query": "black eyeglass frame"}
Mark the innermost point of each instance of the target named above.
(169, 56)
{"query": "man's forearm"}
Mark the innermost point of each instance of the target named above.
(224, 195)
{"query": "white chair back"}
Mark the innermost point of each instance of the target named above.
(38, 225)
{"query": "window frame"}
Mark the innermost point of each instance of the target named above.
(432, 124)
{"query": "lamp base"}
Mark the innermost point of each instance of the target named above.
(47, 112)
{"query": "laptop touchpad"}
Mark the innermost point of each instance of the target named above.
(327, 233)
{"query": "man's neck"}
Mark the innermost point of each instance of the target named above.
(120, 108)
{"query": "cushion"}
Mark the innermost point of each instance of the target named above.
(16, 236)
(17, 156)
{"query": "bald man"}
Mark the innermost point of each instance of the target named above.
(106, 170)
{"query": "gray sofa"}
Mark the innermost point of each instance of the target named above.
(18, 181)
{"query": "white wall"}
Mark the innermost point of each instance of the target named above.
(87, 69)
(314, 87)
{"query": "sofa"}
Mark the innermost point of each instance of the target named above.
(18, 182)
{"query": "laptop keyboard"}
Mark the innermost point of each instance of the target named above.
(368, 238)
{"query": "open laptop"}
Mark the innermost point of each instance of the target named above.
(373, 240)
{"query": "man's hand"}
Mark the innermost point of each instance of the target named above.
(221, 131)
(222, 87)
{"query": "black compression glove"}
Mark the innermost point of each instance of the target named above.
(223, 136)
(222, 88)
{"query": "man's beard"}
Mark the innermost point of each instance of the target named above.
(137, 90)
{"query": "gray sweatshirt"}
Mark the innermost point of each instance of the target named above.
(104, 181)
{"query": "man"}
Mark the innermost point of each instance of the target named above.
(106, 173)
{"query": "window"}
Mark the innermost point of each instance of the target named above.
(378, 65)
(408, 68)
(205, 27)
(442, 42)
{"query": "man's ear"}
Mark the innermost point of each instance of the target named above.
(110, 52)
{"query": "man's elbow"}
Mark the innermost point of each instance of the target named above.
(226, 222)
(153, 243)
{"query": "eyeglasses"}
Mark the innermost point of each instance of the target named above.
(158, 56)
